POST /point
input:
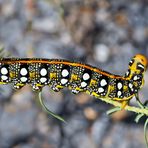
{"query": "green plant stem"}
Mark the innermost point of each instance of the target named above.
(127, 107)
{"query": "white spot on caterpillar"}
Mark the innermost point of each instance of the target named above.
(83, 84)
(35, 87)
(103, 82)
(16, 87)
(86, 76)
(119, 93)
(4, 78)
(65, 73)
(141, 66)
(127, 73)
(131, 62)
(4, 71)
(101, 90)
(135, 78)
(74, 91)
(119, 85)
(23, 71)
(55, 89)
(42, 80)
(23, 79)
(64, 81)
(43, 72)
(130, 85)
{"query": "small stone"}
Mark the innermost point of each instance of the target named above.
(82, 140)
(101, 53)
(16, 123)
(139, 34)
(8, 9)
(121, 19)
(99, 129)
(82, 98)
(5, 92)
(90, 113)
(75, 123)
(119, 116)
(45, 25)
(102, 16)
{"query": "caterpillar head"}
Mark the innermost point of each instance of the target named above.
(138, 64)
(137, 67)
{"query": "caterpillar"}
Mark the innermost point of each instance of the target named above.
(75, 76)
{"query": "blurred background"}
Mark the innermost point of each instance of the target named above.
(103, 33)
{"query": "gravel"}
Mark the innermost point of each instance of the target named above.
(105, 34)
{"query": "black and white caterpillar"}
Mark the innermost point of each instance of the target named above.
(75, 76)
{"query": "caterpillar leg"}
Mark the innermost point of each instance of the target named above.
(124, 103)
(17, 86)
(115, 109)
(73, 91)
(36, 87)
(55, 87)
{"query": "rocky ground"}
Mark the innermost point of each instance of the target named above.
(102, 33)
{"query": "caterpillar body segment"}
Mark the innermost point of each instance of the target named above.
(77, 77)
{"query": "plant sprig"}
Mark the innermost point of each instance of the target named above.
(47, 110)
(141, 111)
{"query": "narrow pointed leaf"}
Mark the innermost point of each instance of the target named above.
(47, 110)
(145, 136)
(113, 110)
(138, 117)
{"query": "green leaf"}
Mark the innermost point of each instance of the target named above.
(109, 112)
(138, 117)
(47, 110)
(145, 126)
